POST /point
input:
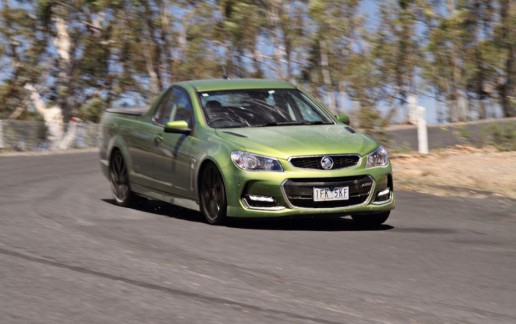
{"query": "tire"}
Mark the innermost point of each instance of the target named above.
(120, 186)
(212, 194)
(370, 220)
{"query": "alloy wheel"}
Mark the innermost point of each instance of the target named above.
(213, 195)
(119, 179)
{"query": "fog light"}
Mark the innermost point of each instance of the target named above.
(261, 202)
(261, 198)
(383, 192)
(383, 196)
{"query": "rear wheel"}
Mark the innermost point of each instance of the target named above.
(119, 176)
(371, 220)
(212, 195)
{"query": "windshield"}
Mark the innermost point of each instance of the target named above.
(260, 108)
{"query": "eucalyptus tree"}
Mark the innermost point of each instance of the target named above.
(483, 57)
(22, 48)
(335, 38)
(79, 49)
(239, 25)
(507, 41)
(197, 41)
(465, 61)
(288, 29)
(398, 44)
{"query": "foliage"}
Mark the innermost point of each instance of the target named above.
(92, 111)
(88, 55)
(502, 136)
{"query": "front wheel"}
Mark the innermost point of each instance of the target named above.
(371, 220)
(212, 195)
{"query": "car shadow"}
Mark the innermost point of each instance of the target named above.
(306, 223)
(164, 209)
(336, 224)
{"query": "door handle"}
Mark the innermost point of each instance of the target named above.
(158, 139)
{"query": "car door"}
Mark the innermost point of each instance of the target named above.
(173, 161)
(140, 137)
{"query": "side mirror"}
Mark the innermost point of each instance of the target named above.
(343, 119)
(177, 126)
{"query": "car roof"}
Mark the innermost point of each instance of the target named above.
(235, 84)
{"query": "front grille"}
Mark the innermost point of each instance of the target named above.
(300, 191)
(314, 162)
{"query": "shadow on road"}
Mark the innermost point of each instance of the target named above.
(304, 224)
(315, 223)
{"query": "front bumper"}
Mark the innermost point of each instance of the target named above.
(289, 193)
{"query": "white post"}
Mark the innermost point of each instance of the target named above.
(422, 135)
(412, 109)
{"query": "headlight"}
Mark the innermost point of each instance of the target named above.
(378, 157)
(253, 162)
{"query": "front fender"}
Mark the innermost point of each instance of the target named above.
(216, 151)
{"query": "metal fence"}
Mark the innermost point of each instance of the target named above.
(496, 132)
(22, 136)
(31, 135)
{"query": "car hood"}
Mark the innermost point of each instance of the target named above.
(286, 141)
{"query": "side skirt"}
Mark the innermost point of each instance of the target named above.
(166, 197)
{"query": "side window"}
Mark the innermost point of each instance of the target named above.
(174, 105)
(182, 107)
(162, 114)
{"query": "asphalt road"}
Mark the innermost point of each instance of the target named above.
(68, 255)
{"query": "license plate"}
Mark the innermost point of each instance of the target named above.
(326, 194)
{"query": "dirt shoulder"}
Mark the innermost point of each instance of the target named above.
(460, 171)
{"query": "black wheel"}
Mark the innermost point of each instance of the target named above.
(119, 176)
(212, 195)
(371, 220)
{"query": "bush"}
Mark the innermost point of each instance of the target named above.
(501, 136)
(92, 110)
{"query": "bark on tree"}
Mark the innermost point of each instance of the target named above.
(63, 45)
(52, 117)
(508, 89)
(273, 17)
(327, 76)
(459, 102)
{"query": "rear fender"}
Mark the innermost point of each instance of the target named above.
(117, 142)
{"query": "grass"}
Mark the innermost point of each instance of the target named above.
(502, 136)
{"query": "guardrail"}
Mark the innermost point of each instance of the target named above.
(31, 135)
(476, 133)
(16, 135)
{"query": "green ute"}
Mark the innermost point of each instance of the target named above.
(245, 148)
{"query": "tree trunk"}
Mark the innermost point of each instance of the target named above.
(508, 89)
(509, 98)
(63, 46)
(327, 76)
(256, 56)
(165, 29)
(152, 55)
(273, 18)
(52, 116)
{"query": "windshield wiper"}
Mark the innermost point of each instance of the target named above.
(280, 123)
(293, 123)
(319, 122)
